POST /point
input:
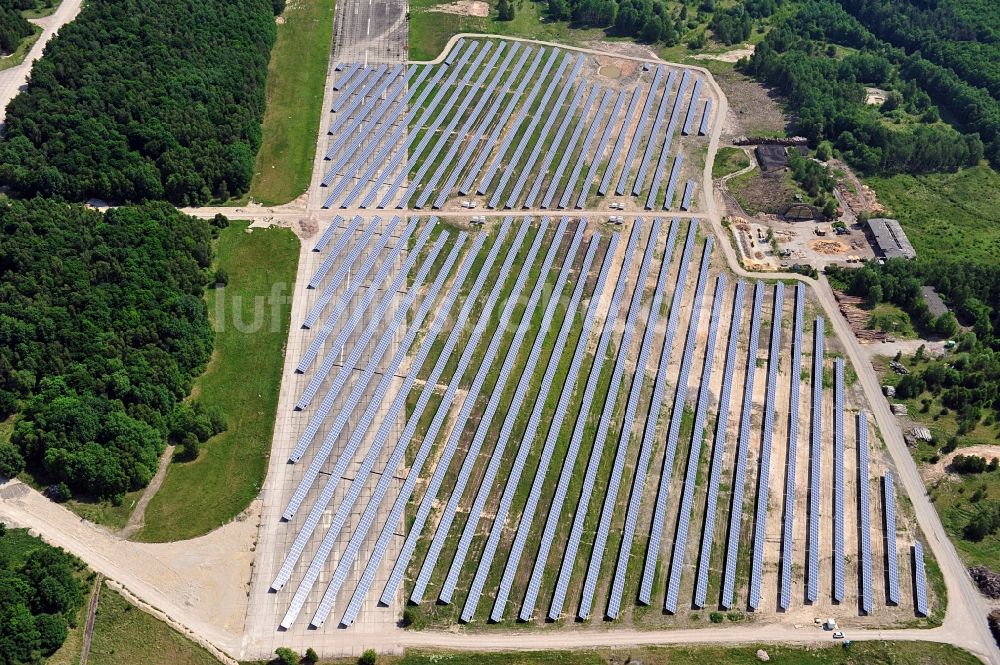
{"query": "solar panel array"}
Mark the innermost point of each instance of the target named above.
(697, 431)
(787, 533)
(531, 429)
(603, 428)
(377, 143)
(483, 426)
(706, 117)
(663, 489)
(638, 377)
(368, 517)
(565, 475)
(757, 563)
(742, 447)
(920, 578)
(815, 452)
(688, 195)
(838, 479)
(649, 431)
(719, 448)
(891, 553)
(864, 513)
(451, 446)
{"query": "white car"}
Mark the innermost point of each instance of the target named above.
(838, 634)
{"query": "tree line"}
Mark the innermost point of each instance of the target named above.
(40, 595)
(14, 28)
(141, 100)
(828, 93)
(103, 327)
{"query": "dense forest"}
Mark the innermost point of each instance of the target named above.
(827, 90)
(144, 99)
(968, 380)
(102, 328)
(655, 21)
(40, 595)
(13, 26)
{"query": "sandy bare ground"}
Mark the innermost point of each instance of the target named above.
(728, 56)
(203, 580)
(942, 469)
(464, 8)
(137, 518)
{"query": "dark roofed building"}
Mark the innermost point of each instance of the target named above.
(889, 239)
(935, 305)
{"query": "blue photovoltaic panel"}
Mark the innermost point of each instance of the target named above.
(590, 477)
(838, 480)
(692, 107)
(688, 195)
(891, 554)
(344, 238)
(865, 553)
(757, 563)
(389, 145)
(357, 391)
(410, 133)
(381, 436)
(499, 125)
(550, 118)
(585, 149)
(638, 378)
(449, 158)
(347, 129)
(719, 448)
(601, 147)
(327, 235)
(340, 343)
(358, 277)
(351, 68)
(667, 467)
(487, 121)
(515, 160)
(793, 447)
(706, 117)
(637, 136)
(457, 114)
(367, 521)
(675, 172)
(570, 147)
(449, 449)
(698, 430)
(356, 96)
(616, 152)
(742, 445)
(483, 426)
(515, 126)
(520, 461)
(920, 578)
(543, 169)
(496, 457)
(649, 430)
(569, 462)
(815, 469)
(654, 188)
(654, 132)
(322, 502)
(431, 130)
(534, 496)
(454, 49)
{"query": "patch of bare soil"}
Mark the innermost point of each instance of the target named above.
(622, 48)
(464, 8)
(728, 56)
(829, 247)
(875, 96)
(767, 193)
(754, 109)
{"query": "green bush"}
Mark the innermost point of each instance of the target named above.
(715, 617)
(369, 657)
(286, 656)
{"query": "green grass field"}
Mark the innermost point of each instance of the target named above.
(946, 214)
(243, 379)
(430, 30)
(296, 78)
(729, 160)
(125, 634)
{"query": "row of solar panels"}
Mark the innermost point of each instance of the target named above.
(363, 139)
(680, 540)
